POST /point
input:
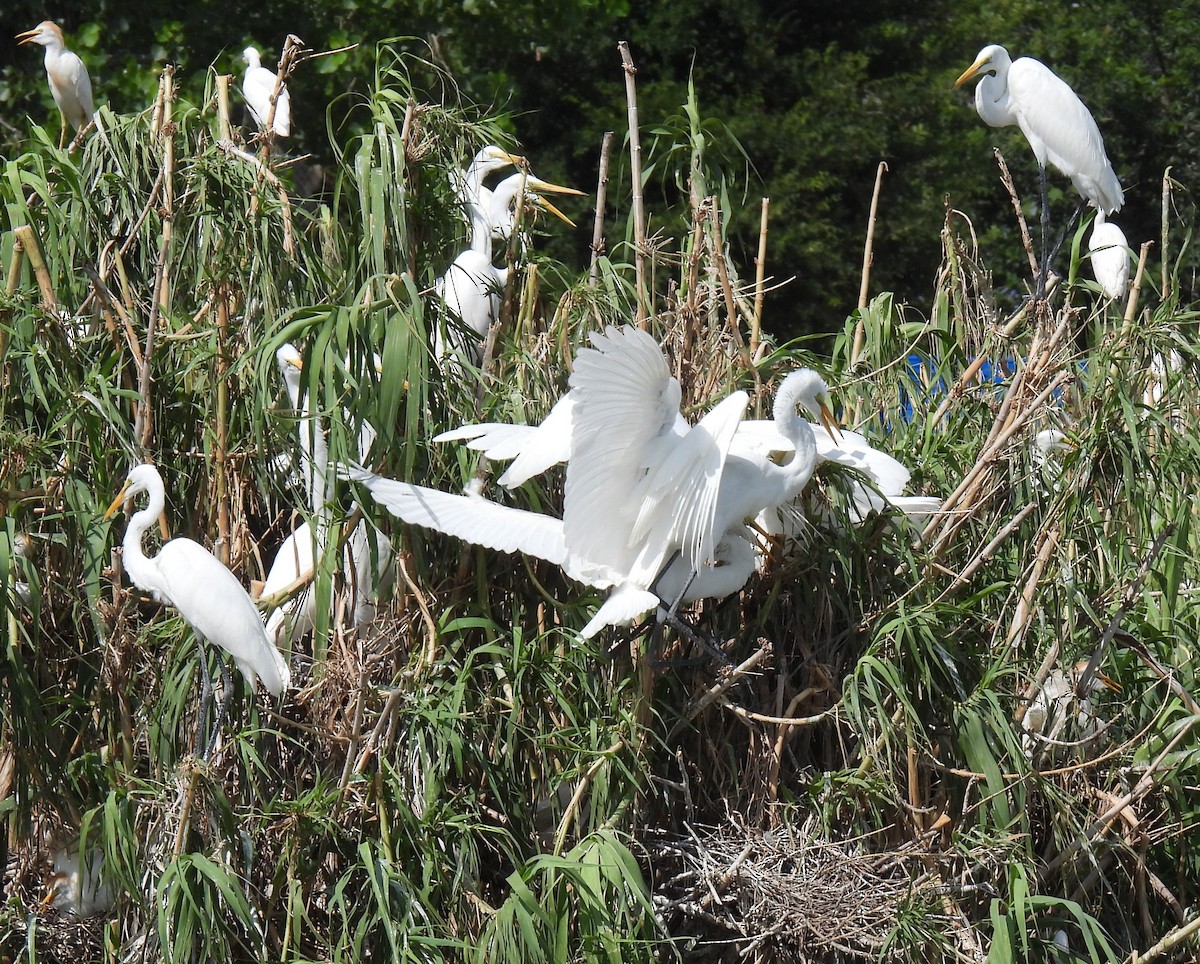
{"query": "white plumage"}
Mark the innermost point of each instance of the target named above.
(258, 87)
(69, 82)
(188, 577)
(1059, 128)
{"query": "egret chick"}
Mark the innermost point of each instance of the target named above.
(206, 594)
(69, 81)
(258, 87)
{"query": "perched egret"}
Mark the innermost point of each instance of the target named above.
(475, 197)
(69, 82)
(1058, 702)
(207, 595)
(366, 557)
(258, 87)
(1059, 128)
(1110, 258)
(471, 287)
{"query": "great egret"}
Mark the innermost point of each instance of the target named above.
(69, 82)
(471, 287)
(258, 87)
(655, 510)
(1059, 701)
(1110, 258)
(1059, 128)
(476, 198)
(188, 577)
(366, 557)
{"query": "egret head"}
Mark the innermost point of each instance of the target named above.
(493, 158)
(250, 56)
(807, 389)
(288, 359)
(46, 33)
(141, 478)
(989, 60)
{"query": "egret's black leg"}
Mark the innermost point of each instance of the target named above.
(1044, 267)
(222, 708)
(1071, 222)
(681, 626)
(206, 696)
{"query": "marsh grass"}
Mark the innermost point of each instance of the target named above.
(461, 778)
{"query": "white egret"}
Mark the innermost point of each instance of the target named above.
(68, 77)
(258, 87)
(366, 557)
(1059, 702)
(1110, 258)
(534, 449)
(79, 888)
(480, 521)
(475, 197)
(1059, 128)
(655, 510)
(471, 287)
(206, 594)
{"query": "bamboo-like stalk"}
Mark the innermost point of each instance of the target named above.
(29, 244)
(868, 257)
(224, 125)
(760, 277)
(601, 198)
(221, 441)
(144, 423)
(635, 174)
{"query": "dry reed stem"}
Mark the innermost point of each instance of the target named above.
(1026, 239)
(635, 174)
(572, 808)
(760, 269)
(143, 423)
(868, 258)
(29, 244)
(1024, 610)
(598, 246)
(224, 125)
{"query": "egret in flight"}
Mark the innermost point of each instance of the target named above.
(1059, 128)
(655, 509)
(258, 87)
(206, 594)
(69, 82)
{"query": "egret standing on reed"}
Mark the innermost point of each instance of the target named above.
(188, 577)
(69, 82)
(258, 87)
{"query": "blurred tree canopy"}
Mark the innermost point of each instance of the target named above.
(806, 99)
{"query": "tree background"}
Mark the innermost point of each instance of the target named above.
(815, 95)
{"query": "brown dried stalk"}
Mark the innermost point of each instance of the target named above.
(601, 197)
(635, 173)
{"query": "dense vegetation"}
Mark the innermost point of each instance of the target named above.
(462, 779)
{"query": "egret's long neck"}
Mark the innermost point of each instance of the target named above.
(141, 569)
(797, 430)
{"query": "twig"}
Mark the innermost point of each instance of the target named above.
(635, 174)
(266, 174)
(868, 257)
(601, 197)
(760, 269)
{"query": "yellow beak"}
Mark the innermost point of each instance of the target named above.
(545, 205)
(539, 185)
(117, 502)
(27, 36)
(828, 422)
(970, 72)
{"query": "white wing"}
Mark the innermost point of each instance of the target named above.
(1061, 130)
(471, 518)
(625, 401)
